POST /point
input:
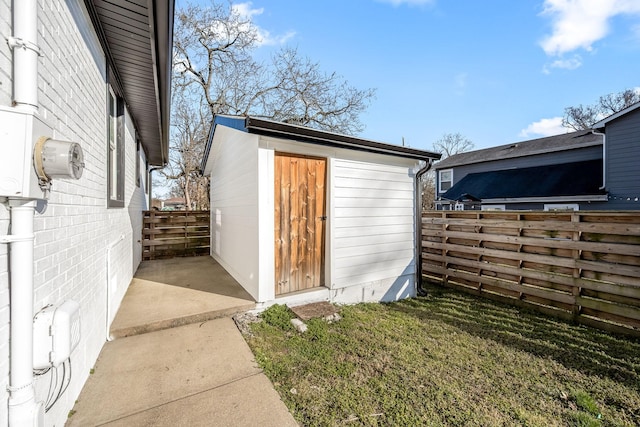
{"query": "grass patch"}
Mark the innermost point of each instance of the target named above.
(449, 359)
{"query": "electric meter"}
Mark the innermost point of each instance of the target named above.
(57, 159)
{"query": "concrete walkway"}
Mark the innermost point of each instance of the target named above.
(192, 369)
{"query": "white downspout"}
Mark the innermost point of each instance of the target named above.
(604, 158)
(23, 409)
(25, 54)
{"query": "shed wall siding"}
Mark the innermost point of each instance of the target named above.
(623, 154)
(234, 205)
(373, 231)
(77, 231)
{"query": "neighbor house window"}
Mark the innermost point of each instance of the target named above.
(445, 180)
(115, 155)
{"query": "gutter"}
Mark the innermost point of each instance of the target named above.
(418, 225)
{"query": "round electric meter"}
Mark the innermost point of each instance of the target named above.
(58, 159)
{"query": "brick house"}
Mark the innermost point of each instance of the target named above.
(91, 77)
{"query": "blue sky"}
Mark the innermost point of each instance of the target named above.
(496, 71)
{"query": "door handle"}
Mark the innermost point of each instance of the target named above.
(322, 218)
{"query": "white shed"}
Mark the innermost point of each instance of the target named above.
(301, 215)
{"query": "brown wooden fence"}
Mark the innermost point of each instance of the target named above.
(583, 266)
(168, 234)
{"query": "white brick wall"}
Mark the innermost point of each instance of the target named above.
(5, 53)
(73, 236)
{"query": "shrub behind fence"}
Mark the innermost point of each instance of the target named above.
(582, 266)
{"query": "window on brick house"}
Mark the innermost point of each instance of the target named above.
(115, 154)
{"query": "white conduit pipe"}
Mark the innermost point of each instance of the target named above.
(25, 54)
(108, 316)
(23, 410)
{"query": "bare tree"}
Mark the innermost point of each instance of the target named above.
(189, 131)
(584, 116)
(452, 143)
(214, 68)
(448, 145)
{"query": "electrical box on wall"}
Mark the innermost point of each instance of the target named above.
(56, 333)
(19, 131)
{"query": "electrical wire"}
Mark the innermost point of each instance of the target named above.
(62, 387)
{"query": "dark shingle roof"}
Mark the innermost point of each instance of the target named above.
(569, 179)
(567, 141)
(601, 124)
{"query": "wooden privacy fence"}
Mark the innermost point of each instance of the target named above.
(168, 234)
(581, 266)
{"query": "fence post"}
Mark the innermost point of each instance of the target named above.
(576, 290)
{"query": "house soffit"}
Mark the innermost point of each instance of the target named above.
(137, 37)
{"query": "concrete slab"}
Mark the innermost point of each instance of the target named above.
(169, 293)
(247, 402)
(198, 374)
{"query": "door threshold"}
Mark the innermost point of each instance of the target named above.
(298, 298)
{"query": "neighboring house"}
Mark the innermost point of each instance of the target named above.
(97, 74)
(554, 173)
(299, 214)
(621, 164)
(174, 204)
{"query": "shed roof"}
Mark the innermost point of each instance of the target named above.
(569, 179)
(137, 38)
(602, 123)
(293, 132)
(563, 142)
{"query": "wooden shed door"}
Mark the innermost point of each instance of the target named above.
(299, 222)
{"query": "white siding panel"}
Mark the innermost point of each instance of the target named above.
(234, 205)
(372, 240)
(374, 202)
(384, 209)
(365, 183)
(365, 222)
(381, 231)
(373, 226)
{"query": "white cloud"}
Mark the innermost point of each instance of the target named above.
(408, 2)
(264, 37)
(577, 24)
(562, 63)
(544, 127)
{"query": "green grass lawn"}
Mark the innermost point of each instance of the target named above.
(448, 359)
